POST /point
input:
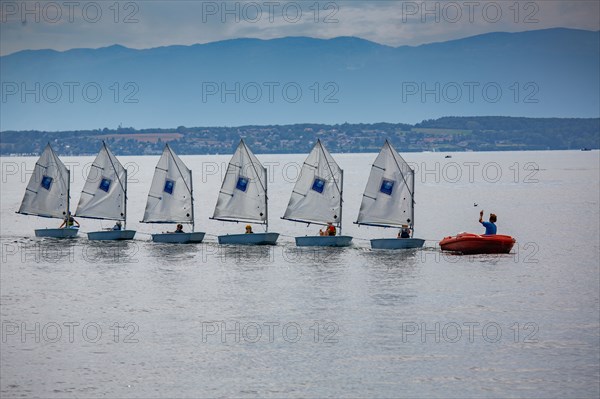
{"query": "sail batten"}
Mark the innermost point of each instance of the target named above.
(170, 197)
(243, 192)
(316, 197)
(105, 195)
(388, 199)
(47, 193)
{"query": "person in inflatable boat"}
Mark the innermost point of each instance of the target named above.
(490, 227)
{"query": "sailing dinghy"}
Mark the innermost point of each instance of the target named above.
(104, 196)
(243, 198)
(48, 194)
(388, 200)
(317, 198)
(171, 199)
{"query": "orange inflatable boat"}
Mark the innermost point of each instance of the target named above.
(468, 243)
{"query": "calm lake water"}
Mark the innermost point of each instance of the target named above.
(137, 319)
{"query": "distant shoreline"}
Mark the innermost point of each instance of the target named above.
(444, 135)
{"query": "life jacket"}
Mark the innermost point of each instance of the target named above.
(331, 230)
(70, 221)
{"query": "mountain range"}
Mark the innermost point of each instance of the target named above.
(541, 73)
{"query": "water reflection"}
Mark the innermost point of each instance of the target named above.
(389, 274)
(404, 259)
(165, 253)
(111, 252)
(43, 250)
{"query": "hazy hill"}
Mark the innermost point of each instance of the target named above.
(544, 73)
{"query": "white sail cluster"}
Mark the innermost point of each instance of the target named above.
(47, 193)
(317, 195)
(243, 194)
(388, 197)
(105, 190)
(170, 197)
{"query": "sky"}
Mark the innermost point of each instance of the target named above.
(67, 24)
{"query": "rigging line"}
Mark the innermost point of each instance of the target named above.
(179, 170)
(114, 168)
(254, 167)
(58, 162)
(330, 170)
(401, 174)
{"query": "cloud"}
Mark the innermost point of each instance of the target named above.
(144, 24)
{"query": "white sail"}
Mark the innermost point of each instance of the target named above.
(47, 193)
(388, 197)
(103, 195)
(317, 194)
(243, 193)
(170, 197)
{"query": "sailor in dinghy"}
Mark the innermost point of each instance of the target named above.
(317, 198)
(243, 198)
(48, 194)
(171, 199)
(388, 200)
(104, 196)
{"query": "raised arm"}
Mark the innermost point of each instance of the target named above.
(481, 216)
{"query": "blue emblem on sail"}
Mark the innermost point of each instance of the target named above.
(46, 182)
(318, 185)
(387, 186)
(169, 186)
(242, 183)
(105, 185)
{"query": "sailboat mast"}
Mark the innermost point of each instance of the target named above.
(341, 197)
(68, 194)
(412, 199)
(192, 195)
(125, 206)
(266, 200)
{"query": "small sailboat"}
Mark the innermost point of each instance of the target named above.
(171, 199)
(243, 198)
(317, 198)
(388, 200)
(104, 196)
(48, 194)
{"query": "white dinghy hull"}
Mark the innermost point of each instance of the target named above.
(323, 241)
(179, 238)
(57, 233)
(111, 235)
(397, 243)
(249, 239)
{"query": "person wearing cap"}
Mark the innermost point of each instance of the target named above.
(69, 222)
(249, 229)
(404, 232)
(490, 227)
(117, 225)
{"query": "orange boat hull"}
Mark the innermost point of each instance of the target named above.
(467, 243)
